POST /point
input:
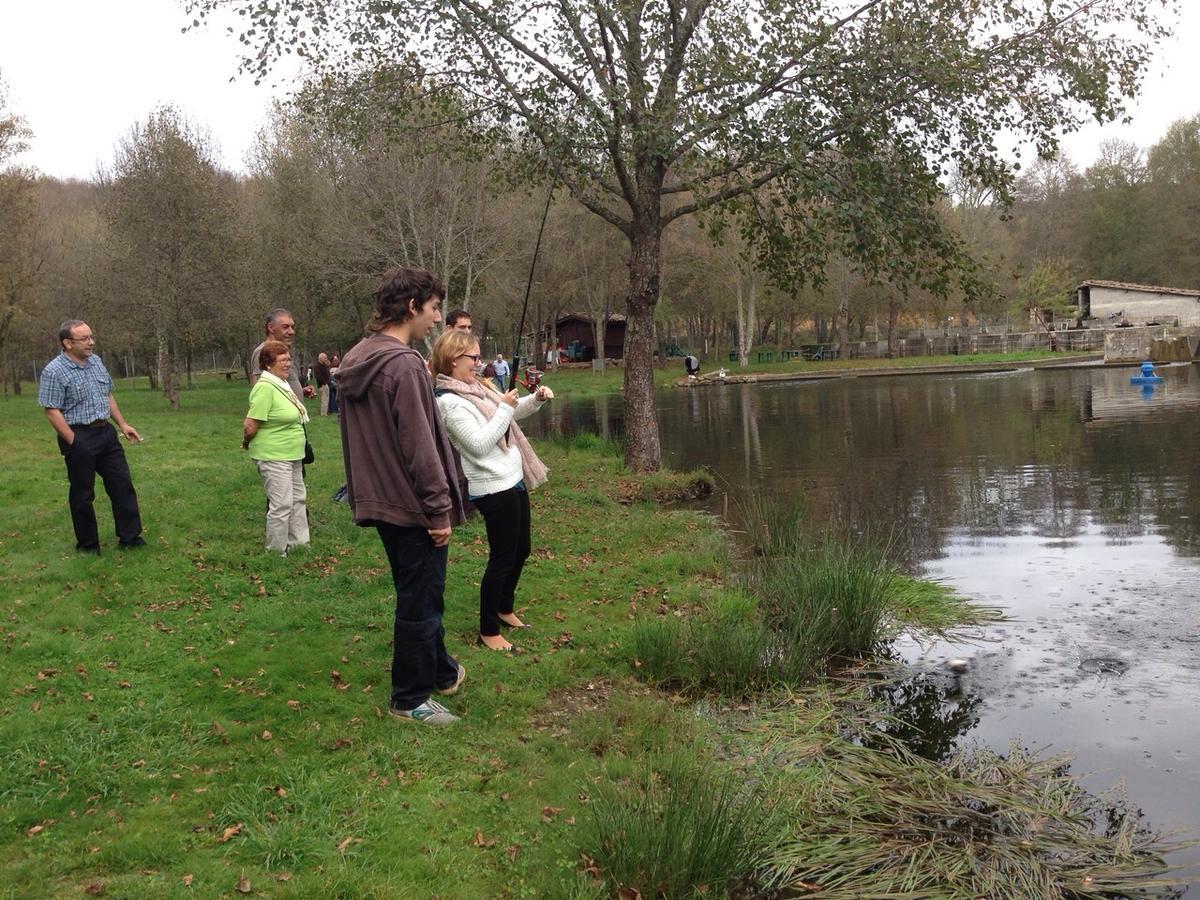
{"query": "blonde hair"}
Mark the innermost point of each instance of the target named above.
(449, 347)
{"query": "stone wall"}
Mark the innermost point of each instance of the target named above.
(1140, 306)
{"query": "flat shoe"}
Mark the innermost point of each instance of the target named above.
(508, 649)
(504, 624)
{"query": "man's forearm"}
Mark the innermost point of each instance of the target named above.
(60, 424)
(115, 412)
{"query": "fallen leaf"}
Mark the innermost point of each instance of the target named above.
(340, 743)
(187, 880)
(629, 894)
(280, 792)
(230, 832)
(511, 851)
(346, 842)
(95, 889)
(284, 876)
(124, 684)
(87, 695)
(266, 735)
(549, 812)
(36, 829)
(294, 704)
(243, 885)
(138, 763)
(37, 706)
(481, 841)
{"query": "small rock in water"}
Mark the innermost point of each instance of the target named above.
(958, 666)
(1104, 665)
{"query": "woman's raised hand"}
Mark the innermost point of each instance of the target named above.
(511, 398)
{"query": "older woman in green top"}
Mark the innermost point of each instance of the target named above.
(274, 434)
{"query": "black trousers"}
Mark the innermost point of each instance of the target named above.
(97, 451)
(506, 515)
(420, 663)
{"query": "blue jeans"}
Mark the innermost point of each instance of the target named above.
(420, 663)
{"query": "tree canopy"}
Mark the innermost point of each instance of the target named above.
(823, 127)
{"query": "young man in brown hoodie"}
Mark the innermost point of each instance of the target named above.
(403, 480)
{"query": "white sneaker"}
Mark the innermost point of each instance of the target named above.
(430, 712)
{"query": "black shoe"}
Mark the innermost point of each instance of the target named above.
(95, 551)
(136, 542)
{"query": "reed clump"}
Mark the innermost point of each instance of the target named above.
(680, 827)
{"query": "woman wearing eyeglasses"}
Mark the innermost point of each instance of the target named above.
(501, 470)
(273, 432)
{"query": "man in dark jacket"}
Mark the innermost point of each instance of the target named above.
(403, 480)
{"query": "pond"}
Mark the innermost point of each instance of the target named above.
(1068, 498)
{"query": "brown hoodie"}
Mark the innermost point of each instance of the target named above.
(400, 466)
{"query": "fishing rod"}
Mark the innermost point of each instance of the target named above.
(512, 383)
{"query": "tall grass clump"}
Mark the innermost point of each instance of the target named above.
(679, 827)
(723, 651)
(832, 598)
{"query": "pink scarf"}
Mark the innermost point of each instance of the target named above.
(487, 401)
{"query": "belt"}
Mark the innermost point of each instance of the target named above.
(99, 423)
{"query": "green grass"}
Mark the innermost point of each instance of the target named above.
(155, 699)
(583, 382)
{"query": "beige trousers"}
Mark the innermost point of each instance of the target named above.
(287, 511)
(323, 393)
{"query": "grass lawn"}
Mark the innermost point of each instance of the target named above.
(579, 382)
(178, 718)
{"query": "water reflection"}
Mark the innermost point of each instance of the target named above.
(927, 714)
(1047, 453)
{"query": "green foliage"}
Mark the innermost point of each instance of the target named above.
(1050, 286)
(680, 826)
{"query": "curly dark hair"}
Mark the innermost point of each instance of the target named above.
(399, 286)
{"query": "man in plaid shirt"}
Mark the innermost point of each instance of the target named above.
(76, 391)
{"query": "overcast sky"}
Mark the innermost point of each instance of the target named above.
(82, 72)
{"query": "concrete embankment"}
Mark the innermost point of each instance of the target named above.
(1090, 360)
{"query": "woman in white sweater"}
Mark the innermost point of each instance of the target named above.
(501, 470)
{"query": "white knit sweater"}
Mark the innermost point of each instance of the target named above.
(489, 469)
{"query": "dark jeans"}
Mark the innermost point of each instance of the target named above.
(420, 663)
(97, 451)
(506, 515)
(333, 401)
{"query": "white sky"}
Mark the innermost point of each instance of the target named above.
(82, 72)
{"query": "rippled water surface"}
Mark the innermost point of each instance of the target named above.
(1069, 498)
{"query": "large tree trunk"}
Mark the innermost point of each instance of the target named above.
(893, 344)
(643, 453)
(745, 319)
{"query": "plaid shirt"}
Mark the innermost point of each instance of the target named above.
(80, 392)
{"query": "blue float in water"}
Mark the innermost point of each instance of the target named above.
(1147, 377)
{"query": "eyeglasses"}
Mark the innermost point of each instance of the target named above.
(82, 340)
(474, 356)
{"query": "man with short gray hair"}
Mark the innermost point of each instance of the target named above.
(280, 326)
(76, 391)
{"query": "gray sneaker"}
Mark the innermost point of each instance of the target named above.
(430, 712)
(453, 688)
